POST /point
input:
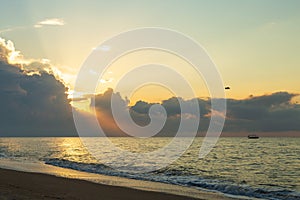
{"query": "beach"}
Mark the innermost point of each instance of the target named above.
(21, 185)
(25, 185)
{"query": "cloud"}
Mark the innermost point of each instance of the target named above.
(6, 30)
(32, 104)
(7, 51)
(102, 103)
(12, 29)
(103, 81)
(273, 112)
(50, 22)
(140, 113)
(102, 48)
(40, 24)
(266, 113)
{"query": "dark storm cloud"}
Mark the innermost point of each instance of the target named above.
(259, 107)
(273, 112)
(102, 103)
(269, 113)
(172, 106)
(139, 112)
(32, 105)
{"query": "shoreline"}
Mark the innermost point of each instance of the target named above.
(37, 181)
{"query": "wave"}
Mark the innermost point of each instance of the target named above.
(3, 155)
(180, 177)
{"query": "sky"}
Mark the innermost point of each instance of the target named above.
(255, 45)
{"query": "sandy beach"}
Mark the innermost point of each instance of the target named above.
(24, 185)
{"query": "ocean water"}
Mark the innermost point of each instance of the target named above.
(266, 168)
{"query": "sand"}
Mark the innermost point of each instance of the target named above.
(62, 184)
(24, 185)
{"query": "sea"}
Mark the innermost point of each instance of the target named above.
(264, 168)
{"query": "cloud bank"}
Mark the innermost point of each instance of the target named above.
(267, 113)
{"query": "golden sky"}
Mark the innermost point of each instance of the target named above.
(255, 44)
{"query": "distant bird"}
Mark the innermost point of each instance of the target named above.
(227, 88)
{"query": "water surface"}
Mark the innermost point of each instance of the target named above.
(266, 168)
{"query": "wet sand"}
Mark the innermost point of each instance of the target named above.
(33, 186)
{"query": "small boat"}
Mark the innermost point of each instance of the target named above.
(253, 136)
